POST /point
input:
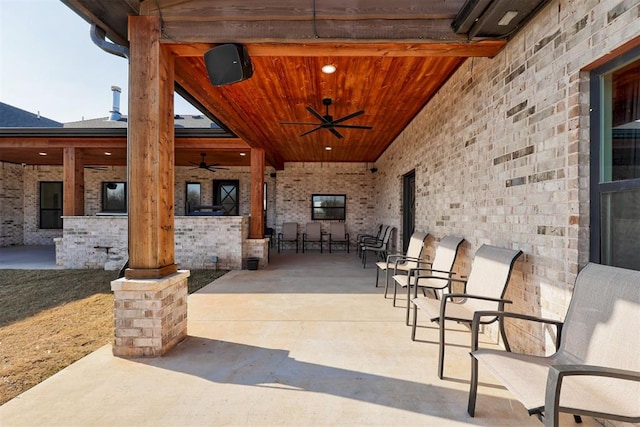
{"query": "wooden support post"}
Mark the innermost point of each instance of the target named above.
(150, 152)
(73, 175)
(256, 226)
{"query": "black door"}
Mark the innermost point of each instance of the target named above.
(226, 195)
(408, 208)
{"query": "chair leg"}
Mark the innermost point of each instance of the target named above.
(577, 419)
(395, 292)
(386, 283)
(473, 388)
(408, 304)
(441, 352)
(415, 322)
(377, 274)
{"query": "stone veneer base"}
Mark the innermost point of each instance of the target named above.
(150, 315)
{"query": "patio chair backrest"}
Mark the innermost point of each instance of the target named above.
(415, 248)
(313, 231)
(290, 231)
(388, 231)
(443, 260)
(490, 272)
(603, 319)
(338, 231)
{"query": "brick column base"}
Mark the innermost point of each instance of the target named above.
(150, 314)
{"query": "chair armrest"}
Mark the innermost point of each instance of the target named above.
(447, 297)
(554, 384)
(475, 325)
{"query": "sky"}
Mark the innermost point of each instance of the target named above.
(48, 64)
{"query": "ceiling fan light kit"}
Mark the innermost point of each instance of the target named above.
(327, 121)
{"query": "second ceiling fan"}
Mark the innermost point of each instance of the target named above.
(327, 121)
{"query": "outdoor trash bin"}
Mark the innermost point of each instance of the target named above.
(252, 263)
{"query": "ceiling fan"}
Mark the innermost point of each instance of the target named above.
(203, 165)
(327, 122)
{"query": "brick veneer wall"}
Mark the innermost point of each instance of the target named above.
(298, 181)
(101, 242)
(501, 154)
(11, 200)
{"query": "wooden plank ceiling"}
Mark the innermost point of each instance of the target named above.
(390, 59)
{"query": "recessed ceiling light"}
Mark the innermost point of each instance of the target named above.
(327, 148)
(42, 153)
(106, 153)
(243, 154)
(329, 69)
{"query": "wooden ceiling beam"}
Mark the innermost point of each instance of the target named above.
(234, 144)
(296, 10)
(484, 48)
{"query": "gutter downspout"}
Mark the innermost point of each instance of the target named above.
(98, 38)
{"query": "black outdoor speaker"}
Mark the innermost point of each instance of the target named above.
(227, 64)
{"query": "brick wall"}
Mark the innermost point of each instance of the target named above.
(298, 181)
(501, 154)
(101, 242)
(11, 200)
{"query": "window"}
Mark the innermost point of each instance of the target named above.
(226, 195)
(615, 162)
(328, 207)
(193, 196)
(51, 205)
(114, 197)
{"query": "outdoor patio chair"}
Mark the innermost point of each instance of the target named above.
(435, 277)
(361, 237)
(596, 368)
(312, 234)
(483, 290)
(289, 234)
(402, 261)
(378, 247)
(338, 235)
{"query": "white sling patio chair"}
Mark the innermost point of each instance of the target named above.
(402, 262)
(435, 277)
(596, 368)
(338, 235)
(378, 247)
(360, 238)
(312, 234)
(289, 234)
(483, 290)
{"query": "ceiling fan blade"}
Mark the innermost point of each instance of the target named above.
(349, 116)
(336, 133)
(220, 168)
(317, 115)
(353, 127)
(298, 123)
(312, 130)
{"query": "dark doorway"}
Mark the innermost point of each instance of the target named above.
(408, 208)
(226, 194)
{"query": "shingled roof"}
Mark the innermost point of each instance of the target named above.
(13, 117)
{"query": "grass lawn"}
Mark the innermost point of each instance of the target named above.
(51, 318)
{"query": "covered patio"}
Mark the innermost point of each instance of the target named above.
(308, 340)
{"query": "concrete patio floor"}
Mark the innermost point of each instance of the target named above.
(308, 341)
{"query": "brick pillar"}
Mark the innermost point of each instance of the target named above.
(150, 314)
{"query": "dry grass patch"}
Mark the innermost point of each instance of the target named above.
(51, 318)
